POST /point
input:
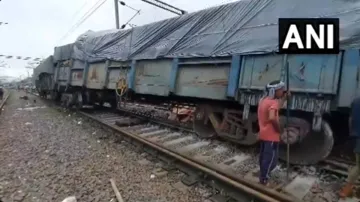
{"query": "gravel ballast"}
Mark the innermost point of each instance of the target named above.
(48, 155)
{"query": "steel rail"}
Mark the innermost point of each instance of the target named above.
(341, 163)
(256, 190)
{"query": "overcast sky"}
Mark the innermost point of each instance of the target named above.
(35, 27)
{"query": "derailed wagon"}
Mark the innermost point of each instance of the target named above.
(220, 59)
(43, 77)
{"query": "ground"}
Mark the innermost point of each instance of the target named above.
(48, 155)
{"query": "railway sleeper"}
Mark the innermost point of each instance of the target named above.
(220, 191)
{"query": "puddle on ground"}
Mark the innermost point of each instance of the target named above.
(30, 108)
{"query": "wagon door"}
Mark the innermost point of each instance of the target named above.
(310, 76)
(117, 71)
(314, 73)
(63, 72)
(77, 73)
(257, 71)
(96, 75)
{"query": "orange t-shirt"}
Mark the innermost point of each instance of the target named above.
(267, 131)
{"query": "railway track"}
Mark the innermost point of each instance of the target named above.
(177, 148)
(230, 165)
(225, 167)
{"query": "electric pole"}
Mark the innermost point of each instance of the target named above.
(117, 14)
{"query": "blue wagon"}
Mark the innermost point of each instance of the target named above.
(220, 59)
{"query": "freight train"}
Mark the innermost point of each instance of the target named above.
(219, 60)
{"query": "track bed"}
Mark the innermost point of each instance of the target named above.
(48, 154)
(306, 183)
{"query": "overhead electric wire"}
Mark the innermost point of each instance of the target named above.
(83, 19)
(76, 14)
(92, 12)
(79, 10)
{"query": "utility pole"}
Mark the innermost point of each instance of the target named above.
(117, 14)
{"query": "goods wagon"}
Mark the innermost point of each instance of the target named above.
(43, 77)
(191, 59)
(78, 82)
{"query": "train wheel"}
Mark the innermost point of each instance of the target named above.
(306, 146)
(202, 124)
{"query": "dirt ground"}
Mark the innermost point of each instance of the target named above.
(48, 155)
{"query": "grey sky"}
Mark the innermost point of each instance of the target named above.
(36, 27)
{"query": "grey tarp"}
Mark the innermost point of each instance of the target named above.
(46, 66)
(64, 52)
(243, 27)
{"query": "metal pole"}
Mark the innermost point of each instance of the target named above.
(287, 123)
(117, 14)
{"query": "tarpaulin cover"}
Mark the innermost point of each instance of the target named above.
(46, 66)
(243, 27)
(63, 52)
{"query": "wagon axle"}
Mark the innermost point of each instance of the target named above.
(307, 146)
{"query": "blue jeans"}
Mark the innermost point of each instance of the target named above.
(268, 159)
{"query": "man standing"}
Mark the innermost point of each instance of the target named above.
(269, 134)
(354, 129)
